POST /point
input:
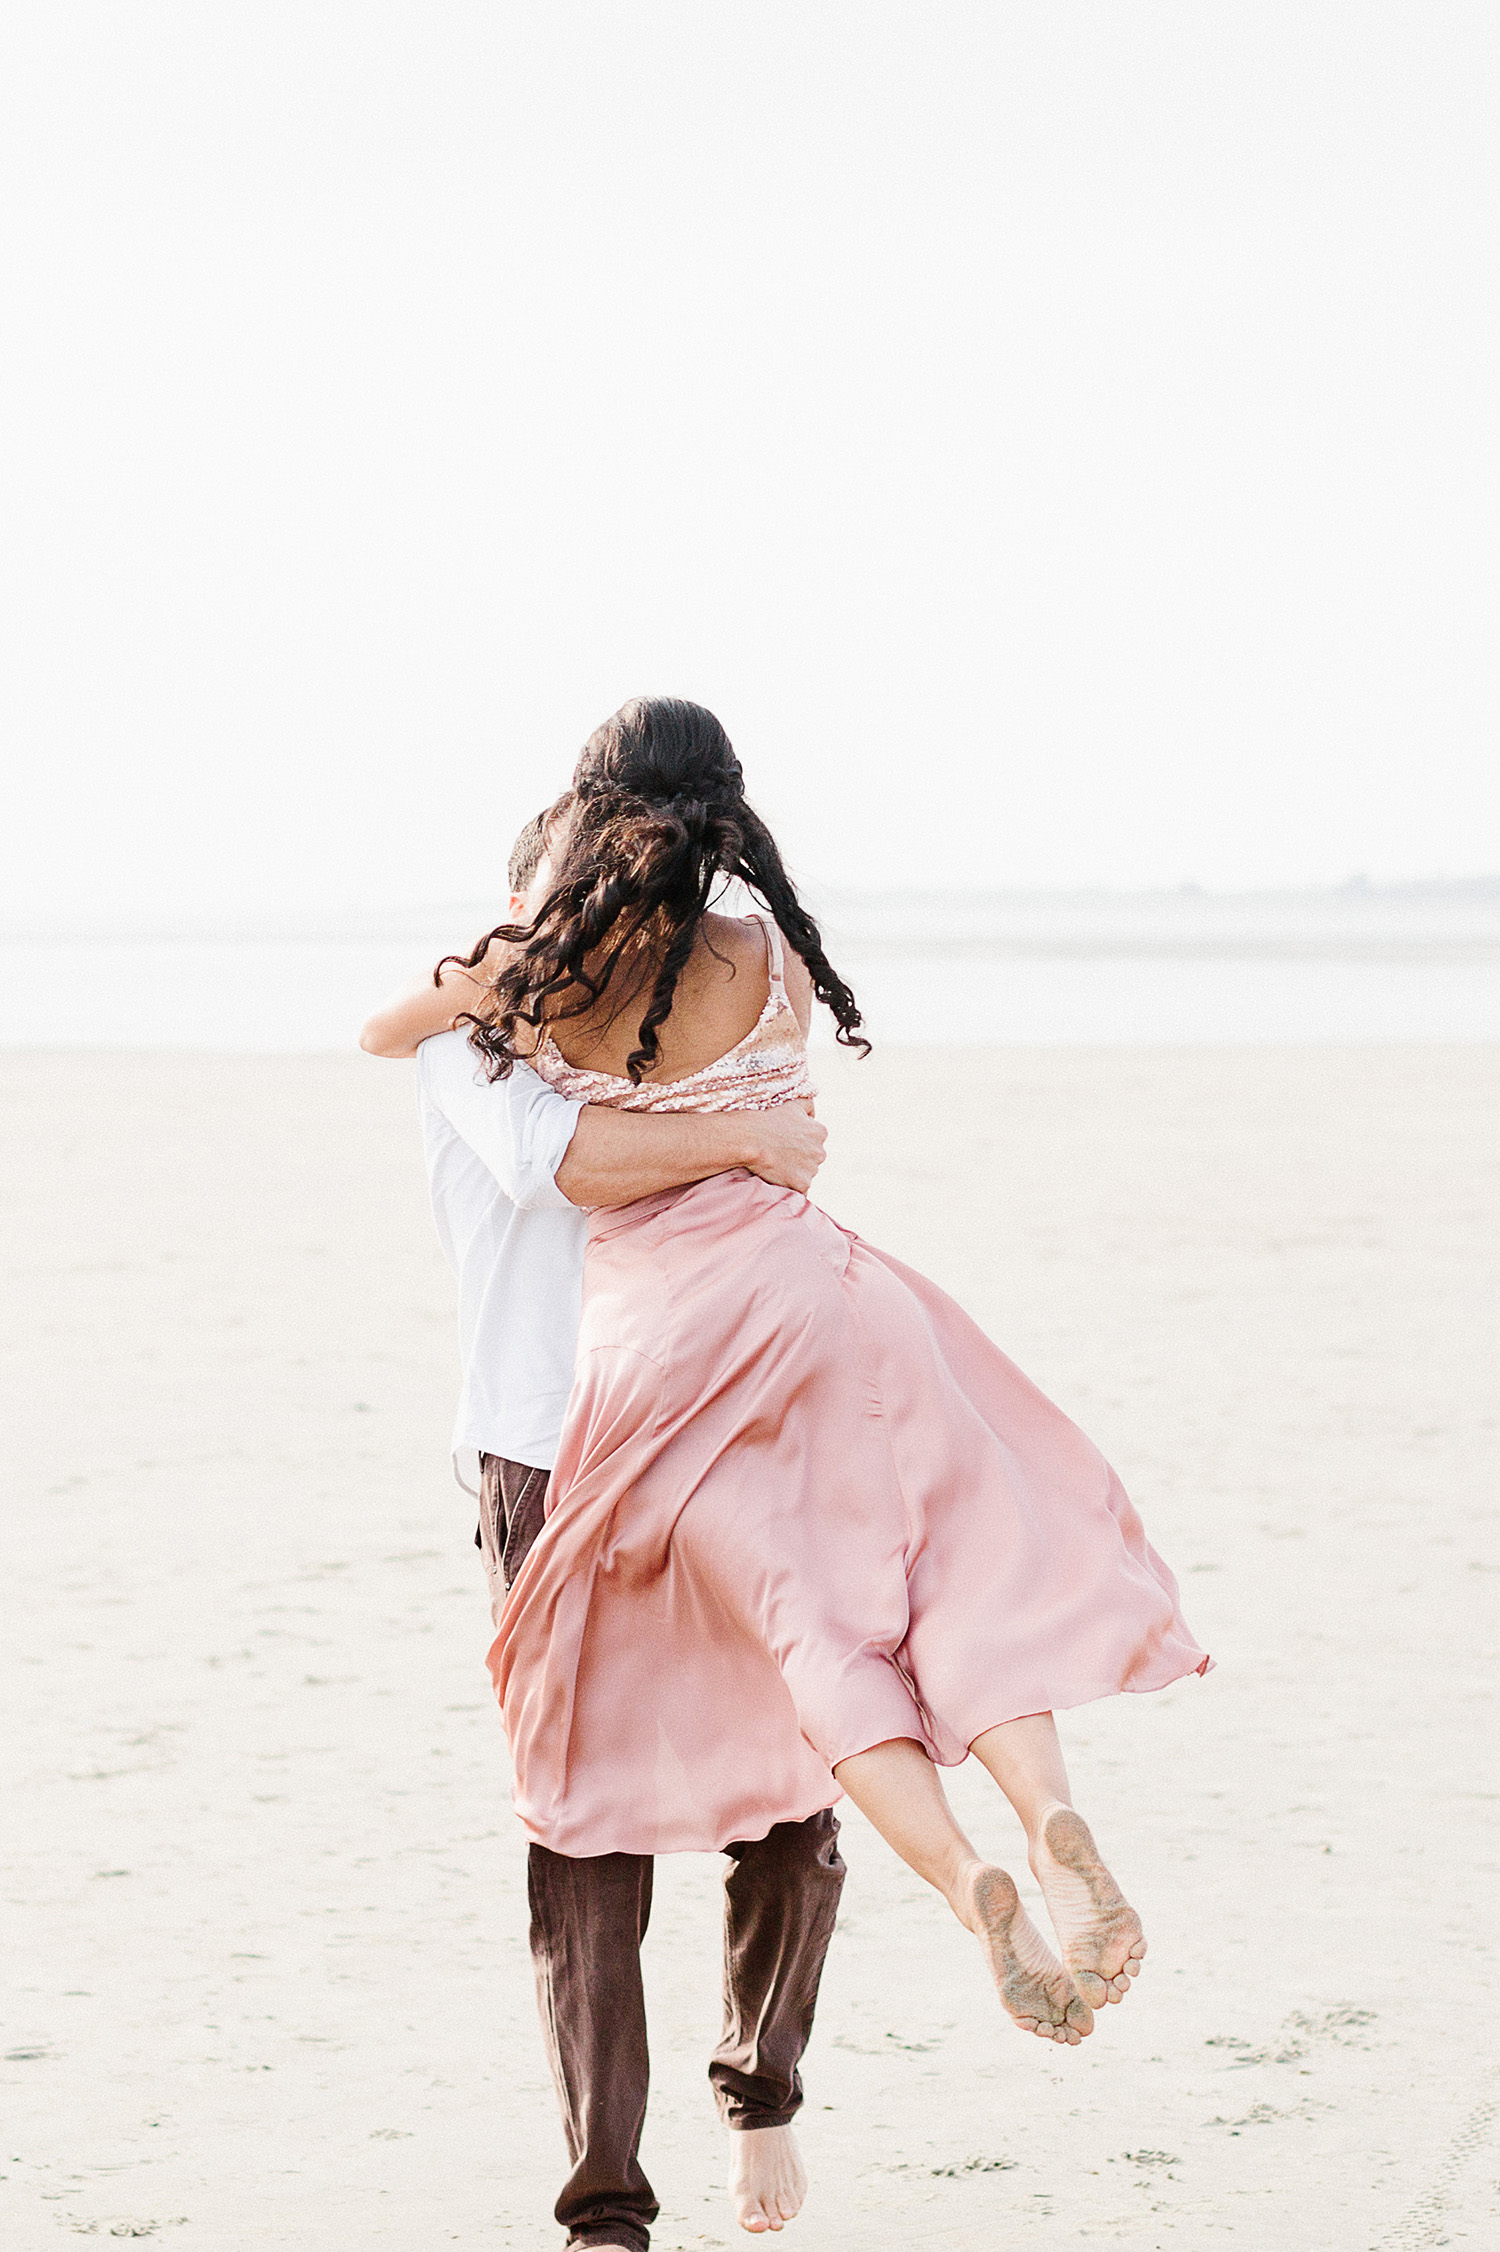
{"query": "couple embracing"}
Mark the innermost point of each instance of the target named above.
(786, 1525)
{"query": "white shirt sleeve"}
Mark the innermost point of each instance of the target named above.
(519, 1127)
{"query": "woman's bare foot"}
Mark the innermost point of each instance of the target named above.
(767, 2179)
(1034, 1987)
(1098, 1931)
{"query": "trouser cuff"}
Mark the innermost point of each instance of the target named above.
(748, 2121)
(741, 2106)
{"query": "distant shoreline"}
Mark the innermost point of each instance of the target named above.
(1048, 979)
(1310, 921)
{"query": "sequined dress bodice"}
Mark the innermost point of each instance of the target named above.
(767, 1067)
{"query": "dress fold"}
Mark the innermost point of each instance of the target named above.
(802, 1505)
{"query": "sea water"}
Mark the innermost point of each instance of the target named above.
(1362, 963)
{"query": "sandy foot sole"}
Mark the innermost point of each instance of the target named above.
(767, 2179)
(1034, 1987)
(1097, 1929)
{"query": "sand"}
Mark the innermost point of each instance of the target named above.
(264, 1896)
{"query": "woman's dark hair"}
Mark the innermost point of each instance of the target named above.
(658, 819)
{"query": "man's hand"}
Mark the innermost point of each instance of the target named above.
(787, 1145)
(616, 1156)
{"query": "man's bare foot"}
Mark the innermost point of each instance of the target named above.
(1034, 1987)
(1097, 1929)
(767, 2179)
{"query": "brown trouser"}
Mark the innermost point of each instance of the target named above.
(588, 1918)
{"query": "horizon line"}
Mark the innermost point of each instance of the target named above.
(397, 921)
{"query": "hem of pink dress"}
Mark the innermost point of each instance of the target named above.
(585, 1842)
(583, 1847)
(1067, 1701)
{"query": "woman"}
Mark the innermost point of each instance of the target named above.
(809, 1530)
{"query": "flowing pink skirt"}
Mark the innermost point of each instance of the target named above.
(802, 1506)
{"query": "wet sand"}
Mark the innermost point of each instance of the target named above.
(267, 1971)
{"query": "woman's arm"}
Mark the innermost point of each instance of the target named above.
(799, 989)
(418, 1011)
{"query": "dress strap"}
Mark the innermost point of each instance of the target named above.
(776, 959)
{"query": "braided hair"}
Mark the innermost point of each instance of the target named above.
(658, 817)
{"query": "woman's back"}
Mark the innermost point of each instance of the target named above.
(735, 1038)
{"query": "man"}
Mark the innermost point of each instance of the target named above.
(513, 1166)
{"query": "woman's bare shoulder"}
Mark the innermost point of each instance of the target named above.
(741, 939)
(740, 934)
(736, 941)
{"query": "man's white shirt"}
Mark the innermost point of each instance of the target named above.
(514, 1242)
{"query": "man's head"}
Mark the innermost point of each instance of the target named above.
(531, 860)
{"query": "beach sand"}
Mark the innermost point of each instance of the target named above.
(265, 1902)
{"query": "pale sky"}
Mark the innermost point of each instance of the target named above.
(1058, 440)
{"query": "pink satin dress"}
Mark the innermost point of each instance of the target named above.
(802, 1506)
